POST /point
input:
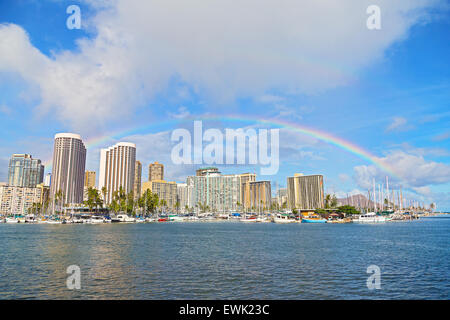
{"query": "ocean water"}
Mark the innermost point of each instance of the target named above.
(227, 260)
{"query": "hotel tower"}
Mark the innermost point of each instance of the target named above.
(117, 169)
(305, 192)
(69, 160)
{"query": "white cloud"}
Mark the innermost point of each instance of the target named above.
(182, 113)
(343, 177)
(412, 169)
(426, 191)
(398, 124)
(442, 136)
(221, 49)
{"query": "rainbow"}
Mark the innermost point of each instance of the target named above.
(320, 135)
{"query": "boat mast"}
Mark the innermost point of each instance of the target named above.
(374, 196)
(387, 190)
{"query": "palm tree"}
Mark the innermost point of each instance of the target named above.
(334, 201)
(327, 201)
(58, 197)
(104, 192)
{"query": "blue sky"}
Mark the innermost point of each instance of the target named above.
(140, 65)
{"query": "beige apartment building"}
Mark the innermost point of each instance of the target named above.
(257, 195)
(244, 191)
(305, 192)
(19, 200)
(89, 179)
(137, 180)
(155, 171)
(166, 190)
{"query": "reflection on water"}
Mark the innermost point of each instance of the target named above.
(226, 260)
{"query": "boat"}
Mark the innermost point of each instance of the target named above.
(223, 216)
(176, 218)
(53, 221)
(313, 219)
(251, 218)
(263, 219)
(11, 220)
(77, 219)
(123, 218)
(30, 218)
(97, 219)
(283, 218)
(346, 220)
(370, 217)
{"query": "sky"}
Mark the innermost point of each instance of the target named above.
(137, 71)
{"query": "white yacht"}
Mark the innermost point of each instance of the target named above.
(370, 217)
(53, 221)
(11, 220)
(123, 218)
(30, 218)
(97, 219)
(283, 218)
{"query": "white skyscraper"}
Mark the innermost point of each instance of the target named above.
(48, 179)
(69, 160)
(117, 168)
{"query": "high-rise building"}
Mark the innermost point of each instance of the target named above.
(166, 190)
(69, 161)
(258, 195)
(89, 179)
(137, 179)
(217, 192)
(244, 178)
(117, 169)
(305, 192)
(24, 171)
(48, 180)
(155, 171)
(184, 197)
(20, 200)
(282, 197)
(204, 171)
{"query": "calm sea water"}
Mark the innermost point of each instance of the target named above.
(226, 260)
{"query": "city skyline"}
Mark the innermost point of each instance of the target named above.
(383, 92)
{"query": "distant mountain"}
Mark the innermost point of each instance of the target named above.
(357, 200)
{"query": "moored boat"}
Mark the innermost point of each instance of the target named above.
(283, 218)
(11, 220)
(370, 217)
(313, 220)
(123, 218)
(97, 219)
(251, 218)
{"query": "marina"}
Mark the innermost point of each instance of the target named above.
(281, 218)
(233, 260)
